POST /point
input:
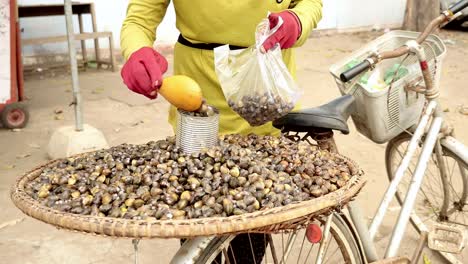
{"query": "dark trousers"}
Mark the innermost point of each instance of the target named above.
(245, 249)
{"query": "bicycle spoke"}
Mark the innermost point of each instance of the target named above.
(272, 249)
(424, 220)
(339, 234)
(308, 254)
(435, 177)
(282, 243)
(452, 222)
(232, 252)
(462, 213)
(434, 194)
(291, 240)
(285, 248)
(457, 216)
(226, 258)
(450, 174)
(453, 169)
(457, 213)
(401, 155)
(433, 208)
(429, 170)
(439, 182)
(412, 163)
(334, 252)
(251, 248)
(409, 174)
(329, 243)
(300, 251)
(451, 180)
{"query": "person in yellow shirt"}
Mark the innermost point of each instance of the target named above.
(205, 25)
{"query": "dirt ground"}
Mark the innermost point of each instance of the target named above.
(126, 117)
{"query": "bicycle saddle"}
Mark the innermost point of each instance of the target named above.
(333, 115)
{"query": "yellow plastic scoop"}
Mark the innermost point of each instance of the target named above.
(183, 92)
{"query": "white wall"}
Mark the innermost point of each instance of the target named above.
(358, 13)
(110, 14)
(109, 17)
(344, 14)
(5, 74)
(55, 25)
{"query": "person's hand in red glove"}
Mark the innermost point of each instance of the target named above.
(142, 73)
(287, 34)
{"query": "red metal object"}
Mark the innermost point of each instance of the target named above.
(16, 70)
(424, 65)
(19, 62)
(314, 233)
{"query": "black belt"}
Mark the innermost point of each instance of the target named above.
(205, 46)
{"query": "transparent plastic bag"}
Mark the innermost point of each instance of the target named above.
(257, 86)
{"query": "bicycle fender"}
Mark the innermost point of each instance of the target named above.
(455, 146)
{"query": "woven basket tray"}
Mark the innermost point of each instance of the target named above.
(272, 220)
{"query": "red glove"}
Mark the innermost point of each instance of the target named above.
(287, 34)
(143, 71)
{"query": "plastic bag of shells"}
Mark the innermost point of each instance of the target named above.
(156, 180)
(257, 85)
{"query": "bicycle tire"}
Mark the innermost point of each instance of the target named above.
(347, 242)
(416, 219)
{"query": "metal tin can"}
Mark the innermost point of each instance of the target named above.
(194, 133)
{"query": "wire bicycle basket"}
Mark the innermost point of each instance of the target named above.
(384, 108)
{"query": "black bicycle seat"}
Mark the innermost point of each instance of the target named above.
(333, 115)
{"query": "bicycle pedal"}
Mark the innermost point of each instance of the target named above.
(446, 238)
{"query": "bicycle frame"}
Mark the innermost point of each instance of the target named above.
(367, 234)
(432, 141)
(430, 129)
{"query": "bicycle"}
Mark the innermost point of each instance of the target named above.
(435, 147)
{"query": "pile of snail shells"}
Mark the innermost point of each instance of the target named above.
(205, 110)
(156, 180)
(260, 108)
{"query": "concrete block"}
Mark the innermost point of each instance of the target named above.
(66, 141)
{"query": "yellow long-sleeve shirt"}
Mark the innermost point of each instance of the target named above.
(213, 21)
(205, 21)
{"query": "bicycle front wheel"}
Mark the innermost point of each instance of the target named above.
(440, 199)
(343, 247)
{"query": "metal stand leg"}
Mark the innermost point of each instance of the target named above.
(83, 43)
(111, 55)
(135, 243)
(73, 66)
(96, 41)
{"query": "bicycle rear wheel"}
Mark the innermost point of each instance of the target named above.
(440, 199)
(343, 247)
